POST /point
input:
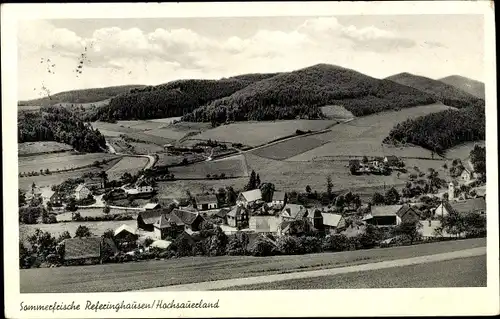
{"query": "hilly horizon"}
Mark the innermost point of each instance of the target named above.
(445, 93)
(466, 84)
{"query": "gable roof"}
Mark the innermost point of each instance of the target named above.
(470, 205)
(110, 244)
(236, 211)
(166, 220)
(385, 210)
(125, 228)
(222, 212)
(185, 237)
(294, 211)
(391, 158)
(330, 219)
(81, 248)
(185, 216)
(80, 187)
(284, 225)
(279, 196)
(151, 205)
(265, 224)
(206, 199)
(253, 195)
(405, 208)
(150, 216)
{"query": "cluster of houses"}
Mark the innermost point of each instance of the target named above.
(378, 165)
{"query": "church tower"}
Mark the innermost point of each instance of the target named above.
(451, 191)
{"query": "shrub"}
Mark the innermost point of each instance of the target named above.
(288, 245)
(310, 244)
(263, 247)
(337, 242)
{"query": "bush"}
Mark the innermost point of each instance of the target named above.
(310, 244)
(263, 247)
(288, 245)
(337, 242)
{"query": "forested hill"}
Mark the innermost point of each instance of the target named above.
(470, 86)
(300, 94)
(80, 96)
(60, 125)
(445, 93)
(171, 99)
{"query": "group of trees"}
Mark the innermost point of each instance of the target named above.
(478, 160)
(391, 197)
(60, 125)
(463, 225)
(442, 130)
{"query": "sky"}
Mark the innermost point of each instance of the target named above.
(154, 51)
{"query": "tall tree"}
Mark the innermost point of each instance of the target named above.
(329, 187)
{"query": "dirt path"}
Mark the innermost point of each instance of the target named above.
(221, 284)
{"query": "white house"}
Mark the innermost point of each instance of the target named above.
(140, 188)
(278, 199)
(151, 206)
(466, 175)
(264, 224)
(473, 205)
(332, 221)
(249, 197)
(81, 192)
(206, 202)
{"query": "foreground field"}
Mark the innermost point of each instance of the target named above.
(177, 189)
(231, 167)
(127, 164)
(33, 148)
(258, 133)
(142, 275)
(60, 161)
(463, 151)
(463, 272)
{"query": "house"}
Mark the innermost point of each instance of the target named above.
(249, 198)
(147, 219)
(278, 200)
(315, 219)
(473, 205)
(56, 199)
(206, 202)
(237, 217)
(453, 190)
(221, 215)
(94, 183)
(168, 226)
(284, 227)
(191, 220)
(293, 212)
(391, 215)
(161, 244)
(140, 188)
(264, 224)
(125, 233)
(81, 192)
(87, 249)
(391, 160)
(332, 222)
(151, 206)
(466, 175)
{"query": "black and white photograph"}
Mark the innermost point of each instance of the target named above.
(251, 153)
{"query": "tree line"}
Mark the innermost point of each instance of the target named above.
(60, 125)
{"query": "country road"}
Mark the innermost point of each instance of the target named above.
(151, 158)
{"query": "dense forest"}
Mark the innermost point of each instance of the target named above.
(81, 96)
(470, 86)
(442, 130)
(59, 125)
(300, 94)
(443, 92)
(171, 99)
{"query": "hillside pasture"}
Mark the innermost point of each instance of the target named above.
(33, 148)
(177, 189)
(166, 133)
(364, 136)
(289, 148)
(258, 133)
(168, 160)
(167, 120)
(60, 161)
(144, 137)
(463, 151)
(95, 212)
(336, 112)
(112, 127)
(231, 167)
(127, 164)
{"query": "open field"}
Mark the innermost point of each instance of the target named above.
(167, 120)
(258, 133)
(177, 189)
(336, 111)
(94, 212)
(289, 148)
(463, 151)
(167, 159)
(142, 275)
(167, 133)
(127, 164)
(364, 136)
(97, 228)
(148, 138)
(58, 178)
(34, 148)
(463, 272)
(146, 148)
(111, 127)
(60, 161)
(231, 167)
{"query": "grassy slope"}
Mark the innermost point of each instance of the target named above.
(132, 276)
(81, 96)
(470, 86)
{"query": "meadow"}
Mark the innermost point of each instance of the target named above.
(231, 167)
(258, 133)
(60, 161)
(289, 148)
(127, 164)
(94, 212)
(336, 112)
(462, 151)
(177, 189)
(34, 148)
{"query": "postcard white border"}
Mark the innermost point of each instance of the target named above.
(359, 302)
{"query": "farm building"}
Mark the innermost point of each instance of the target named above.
(168, 226)
(278, 200)
(56, 199)
(249, 198)
(293, 212)
(147, 219)
(237, 216)
(191, 220)
(452, 190)
(206, 202)
(81, 192)
(315, 219)
(221, 215)
(162, 244)
(332, 222)
(473, 205)
(151, 206)
(94, 183)
(125, 232)
(140, 188)
(284, 228)
(264, 224)
(391, 215)
(391, 160)
(88, 249)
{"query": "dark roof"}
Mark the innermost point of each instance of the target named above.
(185, 216)
(151, 216)
(185, 236)
(467, 206)
(81, 248)
(111, 244)
(391, 158)
(405, 208)
(279, 196)
(385, 210)
(295, 211)
(284, 224)
(166, 220)
(222, 212)
(236, 211)
(206, 199)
